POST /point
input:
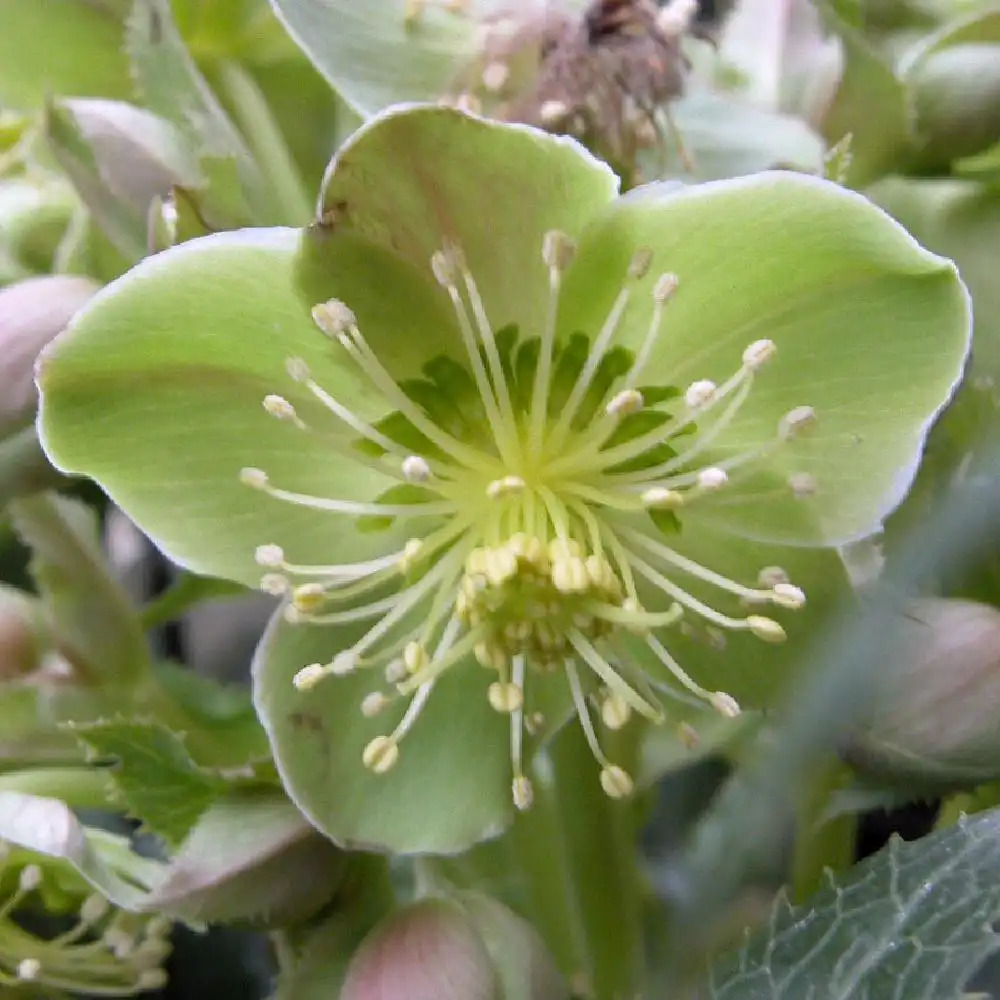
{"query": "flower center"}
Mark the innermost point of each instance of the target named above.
(543, 479)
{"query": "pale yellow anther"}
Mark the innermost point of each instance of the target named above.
(445, 269)
(563, 548)
(666, 285)
(380, 754)
(557, 250)
(395, 671)
(495, 76)
(712, 478)
(309, 597)
(505, 698)
(765, 628)
(771, 576)
(411, 553)
(600, 572)
(626, 402)
(293, 616)
(688, 735)
(787, 595)
(552, 112)
(536, 555)
(640, 264)
(279, 407)
(475, 563)
(269, 555)
(660, 498)
(490, 655)
(298, 369)
(724, 704)
(95, 907)
(416, 469)
(803, 485)
(309, 676)
(254, 478)
(501, 565)
(414, 657)
(758, 354)
(533, 723)
(795, 421)
(505, 486)
(522, 793)
(569, 576)
(28, 969)
(469, 103)
(616, 782)
(373, 703)
(700, 393)
(343, 663)
(334, 318)
(615, 711)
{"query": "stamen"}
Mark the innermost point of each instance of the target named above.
(505, 487)
(614, 780)
(614, 681)
(663, 291)
(279, 408)
(521, 789)
(258, 479)
(796, 421)
(803, 485)
(711, 479)
(637, 269)
(557, 253)
(367, 360)
(758, 354)
(625, 403)
(700, 394)
(723, 703)
(446, 265)
(615, 712)
(495, 76)
(380, 755)
(416, 469)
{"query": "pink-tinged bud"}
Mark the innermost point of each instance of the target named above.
(32, 312)
(465, 947)
(429, 951)
(22, 640)
(935, 718)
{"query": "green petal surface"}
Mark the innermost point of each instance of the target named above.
(412, 180)
(871, 330)
(155, 390)
(369, 54)
(451, 785)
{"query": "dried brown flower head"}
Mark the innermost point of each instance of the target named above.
(605, 74)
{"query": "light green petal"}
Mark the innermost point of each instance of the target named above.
(370, 56)
(871, 330)
(451, 785)
(155, 391)
(416, 177)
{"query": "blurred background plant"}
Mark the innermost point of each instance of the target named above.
(146, 842)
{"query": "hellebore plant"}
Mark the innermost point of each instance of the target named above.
(511, 449)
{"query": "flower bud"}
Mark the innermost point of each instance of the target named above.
(956, 102)
(935, 716)
(32, 312)
(465, 947)
(22, 638)
(428, 951)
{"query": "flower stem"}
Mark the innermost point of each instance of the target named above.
(821, 844)
(578, 853)
(290, 201)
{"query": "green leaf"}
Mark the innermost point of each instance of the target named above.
(82, 52)
(870, 105)
(186, 592)
(91, 614)
(913, 922)
(250, 857)
(153, 773)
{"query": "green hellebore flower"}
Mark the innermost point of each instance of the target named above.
(527, 449)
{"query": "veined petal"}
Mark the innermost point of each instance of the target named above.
(871, 330)
(155, 391)
(419, 180)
